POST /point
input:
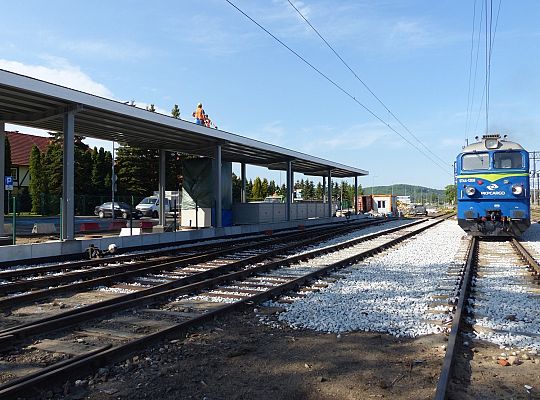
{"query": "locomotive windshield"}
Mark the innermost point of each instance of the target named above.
(475, 161)
(511, 159)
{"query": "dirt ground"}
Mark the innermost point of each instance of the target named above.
(240, 358)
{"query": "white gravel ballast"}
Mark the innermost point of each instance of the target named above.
(388, 293)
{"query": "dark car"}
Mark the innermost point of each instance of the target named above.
(121, 210)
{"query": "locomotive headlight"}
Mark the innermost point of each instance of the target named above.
(470, 190)
(517, 189)
(492, 143)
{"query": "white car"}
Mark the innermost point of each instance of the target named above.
(149, 206)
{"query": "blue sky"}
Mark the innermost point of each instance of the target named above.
(415, 56)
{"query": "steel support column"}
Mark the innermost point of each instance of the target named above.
(162, 173)
(355, 194)
(330, 210)
(2, 173)
(289, 190)
(324, 189)
(68, 178)
(243, 187)
(217, 187)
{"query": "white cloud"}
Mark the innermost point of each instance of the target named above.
(60, 72)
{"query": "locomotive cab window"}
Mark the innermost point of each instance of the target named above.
(506, 160)
(475, 161)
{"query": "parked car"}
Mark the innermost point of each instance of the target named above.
(419, 210)
(121, 210)
(149, 206)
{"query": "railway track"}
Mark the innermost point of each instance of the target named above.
(87, 339)
(483, 313)
(140, 272)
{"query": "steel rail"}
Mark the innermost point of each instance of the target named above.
(162, 249)
(22, 272)
(526, 255)
(117, 353)
(448, 362)
(128, 300)
(130, 271)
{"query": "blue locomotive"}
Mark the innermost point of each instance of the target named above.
(492, 181)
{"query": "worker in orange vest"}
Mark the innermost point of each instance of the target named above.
(199, 115)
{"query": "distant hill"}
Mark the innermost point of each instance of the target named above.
(419, 194)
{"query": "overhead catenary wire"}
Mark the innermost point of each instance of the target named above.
(470, 73)
(490, 33)
(470, 114)
(334, 83)
(363, 83)
(488, 58)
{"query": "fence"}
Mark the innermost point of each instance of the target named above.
(84, 204)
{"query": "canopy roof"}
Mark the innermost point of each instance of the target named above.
(32, 102)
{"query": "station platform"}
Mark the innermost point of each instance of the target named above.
(73, 249)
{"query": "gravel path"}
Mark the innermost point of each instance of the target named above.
(506, 304)
(388, 293)
(531, 238)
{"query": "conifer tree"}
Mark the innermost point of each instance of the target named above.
(264, 188)
(272, 188)
(175, 112)
(7, 159)
(256, 193)
(236, 188)
(37, 180)
(319, 192)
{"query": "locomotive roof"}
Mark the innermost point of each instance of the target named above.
(481, 146)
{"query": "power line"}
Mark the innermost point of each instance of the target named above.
(492, 33)
(361, 81)
(333, 83)
(470, 115)
(488, 58)
(470, 72)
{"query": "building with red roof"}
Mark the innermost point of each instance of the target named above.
(21, 146)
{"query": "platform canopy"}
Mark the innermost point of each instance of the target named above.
(31, 102)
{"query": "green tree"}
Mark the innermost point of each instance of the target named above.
(256, 192)
(7, 159)
(7, 171)
(309, 190)
(100, 170)
(335, 191)
(175, 112)
(151, 108)
(450, 192)
(264, 188)
(249, 189)
(236, 188)
(83, 167)
(53, 167)
(37, 181)
(138, 170)
(271, 188)
(24, 201)
(319, 192)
